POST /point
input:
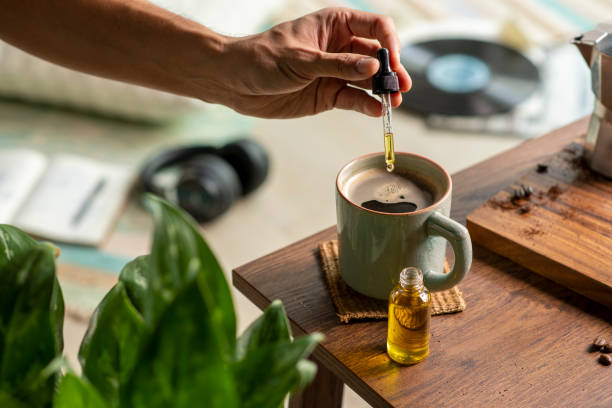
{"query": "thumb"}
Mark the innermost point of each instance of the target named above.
(347, 66)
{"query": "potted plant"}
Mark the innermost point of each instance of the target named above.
(163, 336)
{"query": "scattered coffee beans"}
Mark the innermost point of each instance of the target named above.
(600, 344)
(605, 359)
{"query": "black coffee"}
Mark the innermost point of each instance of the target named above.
(396, 192)
(400, 207)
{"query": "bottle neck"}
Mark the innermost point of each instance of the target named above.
(411, 279)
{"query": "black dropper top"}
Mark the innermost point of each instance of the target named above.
(385, 80)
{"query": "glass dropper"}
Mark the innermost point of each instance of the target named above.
(384, 83)
(388, 131)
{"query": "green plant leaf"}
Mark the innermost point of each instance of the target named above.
(266, 375)
(15, 245)
(75, 392)
(271, 327)
(111, 346)
(306, 371)
(7, 401)
(180, 255)
(183, 366)
(33, 335)
(134, 277)
(272, 330)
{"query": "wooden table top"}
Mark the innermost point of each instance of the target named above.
(521, 342)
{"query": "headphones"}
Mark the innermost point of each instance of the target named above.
(210, 179)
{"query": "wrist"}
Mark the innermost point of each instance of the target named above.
(222, 71)
(194, 61)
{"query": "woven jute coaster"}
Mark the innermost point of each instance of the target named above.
(353, 305)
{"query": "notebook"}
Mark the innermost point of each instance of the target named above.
(64, 198)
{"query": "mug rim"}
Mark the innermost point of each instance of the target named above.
(418, 156)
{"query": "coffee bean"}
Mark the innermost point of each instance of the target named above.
(599, 341)
(606, 348)
(522, 192)
(605, 359)
(518, 193)
(542, 168)
(524, 209)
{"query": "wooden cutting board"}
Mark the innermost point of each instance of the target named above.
(562, 230)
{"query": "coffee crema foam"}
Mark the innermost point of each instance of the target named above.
(380, 190)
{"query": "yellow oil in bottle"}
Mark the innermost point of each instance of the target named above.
(409, 319)
(389, 152)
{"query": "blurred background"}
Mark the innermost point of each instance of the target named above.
(50, 112)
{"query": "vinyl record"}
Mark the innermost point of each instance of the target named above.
(462, 77)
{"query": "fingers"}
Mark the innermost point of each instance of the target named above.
(382, 28)
(396, 98)
(358, 100)
(369, 25)
(363, 46)
(364, 84)
(404, 81)
(354, 68)
(346, 66)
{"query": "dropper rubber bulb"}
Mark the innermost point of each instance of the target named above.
(385, 80)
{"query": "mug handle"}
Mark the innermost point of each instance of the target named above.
(459, 238)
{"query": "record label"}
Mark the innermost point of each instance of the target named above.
(464, 77)
(458, 73)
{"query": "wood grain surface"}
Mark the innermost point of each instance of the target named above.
(521, 342)
(563, 230)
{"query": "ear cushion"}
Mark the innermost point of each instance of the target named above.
(249, 160)
(208, 187)
(167, 159)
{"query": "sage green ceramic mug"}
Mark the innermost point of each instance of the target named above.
(375, 246)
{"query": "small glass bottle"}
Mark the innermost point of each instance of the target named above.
(409, 318)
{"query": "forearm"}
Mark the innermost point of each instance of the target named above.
(132, 41)
(300, 67)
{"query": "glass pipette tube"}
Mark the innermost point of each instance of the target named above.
(388, 132)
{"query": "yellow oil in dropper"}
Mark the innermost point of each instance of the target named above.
(389, 147)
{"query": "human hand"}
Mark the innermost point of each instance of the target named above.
(303, 67)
